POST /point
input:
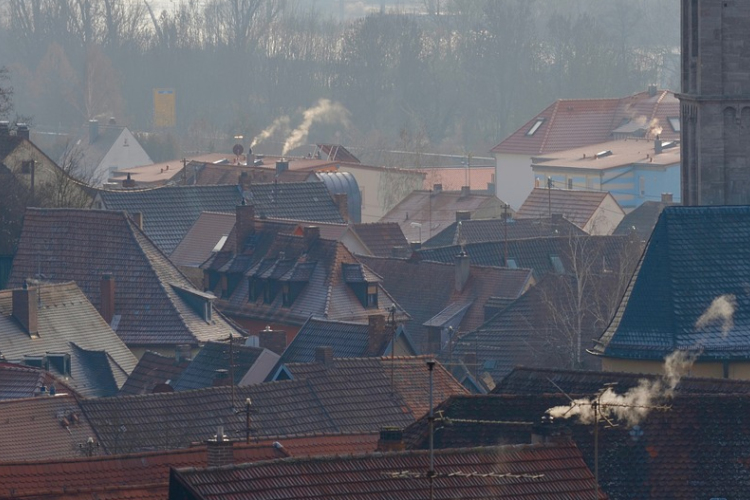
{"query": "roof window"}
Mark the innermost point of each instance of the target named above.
(557, 264)
(674, 122)
(535, 127)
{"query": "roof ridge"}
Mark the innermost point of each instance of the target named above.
(548, 128)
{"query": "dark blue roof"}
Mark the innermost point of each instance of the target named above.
(696, 262)
(345, 183)
(214, 356)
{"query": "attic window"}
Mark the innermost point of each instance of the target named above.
(557, 264)
(286, 296)
(372, 296)
(535, 127)
(511, 263)
(674, 122)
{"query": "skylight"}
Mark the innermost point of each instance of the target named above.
(220, 244)
(674, 122)
(535, 127)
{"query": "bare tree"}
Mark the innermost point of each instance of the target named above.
(6, 93)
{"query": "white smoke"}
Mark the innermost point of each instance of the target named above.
(324, 111)
(721, 310)
(280, 124)
(632, 406)
(654, 128)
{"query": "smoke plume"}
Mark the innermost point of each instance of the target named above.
(632, 406)
(721, 310)
(279, 124)
(325, 111)
(654, 128)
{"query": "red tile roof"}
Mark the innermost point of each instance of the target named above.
(575, 205)
(512, 472)
(572, 123)
(381, 237)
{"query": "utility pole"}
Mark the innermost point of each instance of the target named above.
(248, 403)
(505, 234)
(549, 196)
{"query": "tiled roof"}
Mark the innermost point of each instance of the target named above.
(152, 369)
(571, 123)
(42, 427)
(481, 230)
(381, 237)
(534, 472)
(527, 333)
(142, 475)
(326, 294)
(454, 178)
(424, 289)
(214, 356)
(68, 323)
(329, 444)
(20, 381)
(357, 397)
(576, 206)
(526, 381)
(210, 174)
(202, 239)
(348, 340)
(696, 449)
(8, 143)
(82, 245)
(410, 382)
(695, 266)
(437, 210)
(537, 253)
(170, 211)
(642, 219)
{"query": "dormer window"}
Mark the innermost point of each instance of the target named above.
(363, 282)
(372, 296)
(286, 296)
(27, 166)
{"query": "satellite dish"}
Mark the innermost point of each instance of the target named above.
(237, 149)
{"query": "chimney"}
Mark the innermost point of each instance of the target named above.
(415, 245)
(93, 131)
(391, 439)
(221, 378)
(107, 288)
(463, 268)
(4, 128)
(376, 334)
(281, 166)
(652, 90)
(137, 218)
(273, 340)
(183, 352)
(128, 183)
(311, 233)
(437, 188)
(667, 198)
(244, 181)
(342, 203)
(324, 355)
(462, 215)
(25, 309)
(465, 191)
(244, 225)
(434, 339)
(249, 157)
(657, 145)
(112, 120)
(22, 130)
(219, 450)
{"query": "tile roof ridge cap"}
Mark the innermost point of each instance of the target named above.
(107, 458)
(320, 319)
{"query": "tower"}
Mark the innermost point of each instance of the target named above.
(715, 102)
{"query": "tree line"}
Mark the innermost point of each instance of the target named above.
(458, 78)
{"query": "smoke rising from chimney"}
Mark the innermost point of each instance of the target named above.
(721, 310)
(279, 124)
(325, 111)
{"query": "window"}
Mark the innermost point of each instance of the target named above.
(372, 296)
(27, 166)
(557, 264)
(286, 296)
(535, 127)
(642, 186)
(511, 263)
(570, 183)
(674, 122)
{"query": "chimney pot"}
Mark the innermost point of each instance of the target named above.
(219, 450)
(183, 352)
(324, 355)
(273, 340)
(25, 309)
(244, 226)
(657, 145)
(107, 289)
(667, 198)
(311, 233)
(376, 334)
(128, 182)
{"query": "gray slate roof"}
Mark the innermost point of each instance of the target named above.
(170, 211)
(68, 323)
(697, 257)
(213, 356)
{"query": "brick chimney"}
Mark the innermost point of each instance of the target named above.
(22, 131)
(244, 225)
(273, 340)
(219, 450)
(463, 268)
(324, 355)
(391, 439)
(462, 215)
(342, 203)
(667, 198)
(311, 233)
(658, 145)
(25, 309)
(107, 289)
(221, 378)
(377, 334)
(281, 166)
(465, 191)
(437, 188)
(93, 131)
